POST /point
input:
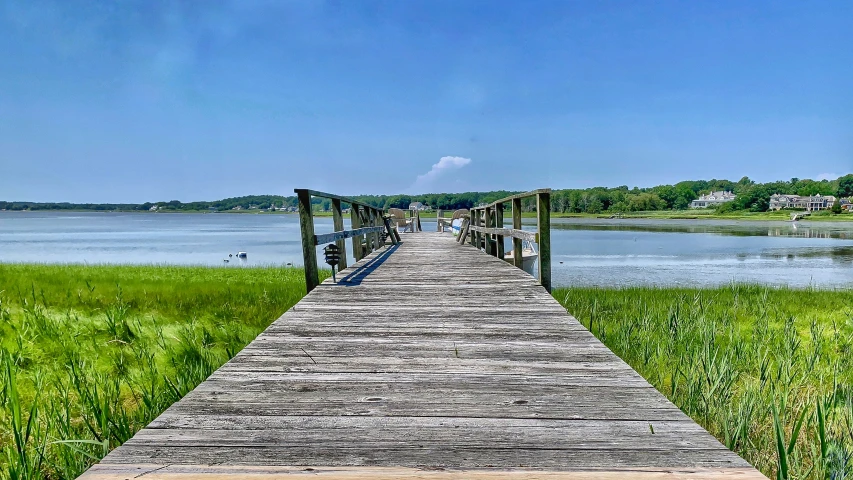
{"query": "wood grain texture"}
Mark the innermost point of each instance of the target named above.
(217, 472)
(428, 359)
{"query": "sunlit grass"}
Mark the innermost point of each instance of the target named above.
(91, 354)
(767, 371)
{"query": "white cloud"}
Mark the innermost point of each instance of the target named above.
(827, 176)
(445, 164)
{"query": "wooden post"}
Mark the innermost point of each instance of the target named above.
(439, 226)
(517, 257)
(490, 247)
(371, 237)
(338, 220)
(355, 218)
(543, 214)
(499, 223)
(309, 250)
(475, 220)
(418, 222)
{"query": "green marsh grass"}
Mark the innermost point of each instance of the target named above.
(768, 371)
(91, 354)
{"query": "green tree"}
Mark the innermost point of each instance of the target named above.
(845, 186)
(836, 207)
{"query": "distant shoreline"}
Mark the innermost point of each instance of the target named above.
(780, 216)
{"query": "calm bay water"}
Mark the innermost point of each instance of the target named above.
(584, 252)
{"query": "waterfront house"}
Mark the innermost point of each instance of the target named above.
(417, 206)
(780, 201)
(812, 203)
(819, 202)
(712, 199)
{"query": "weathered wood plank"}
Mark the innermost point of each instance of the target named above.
(344, 234)
(409, 368)
(219, 472)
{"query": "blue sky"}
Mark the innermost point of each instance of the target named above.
(200, 100)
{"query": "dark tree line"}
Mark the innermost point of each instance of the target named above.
(750, 196)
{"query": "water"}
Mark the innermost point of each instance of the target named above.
(584, 252)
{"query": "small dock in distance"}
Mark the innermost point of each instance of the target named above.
(429, 358)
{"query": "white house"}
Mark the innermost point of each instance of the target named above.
(418, 206)
(819, 202)
(712, 199)
(780, 201)
(812, 203)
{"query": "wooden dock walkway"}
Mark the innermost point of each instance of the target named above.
(429, 359)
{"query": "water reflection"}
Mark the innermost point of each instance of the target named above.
(717, 227)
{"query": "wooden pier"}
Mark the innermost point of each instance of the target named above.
(428, 359)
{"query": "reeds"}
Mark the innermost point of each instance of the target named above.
(768, 371)
(89, 355)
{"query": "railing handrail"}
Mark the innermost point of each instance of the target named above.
(332, 196)
(367, 223)
(486, 221)
(510, 198)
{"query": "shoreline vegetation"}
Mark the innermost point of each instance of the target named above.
(430, 216)
(768, 371)
(91, 354)
(750, 198)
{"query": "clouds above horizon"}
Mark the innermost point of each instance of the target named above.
(445, 164)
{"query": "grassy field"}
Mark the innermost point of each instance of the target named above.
(768, 371)
(91, 354)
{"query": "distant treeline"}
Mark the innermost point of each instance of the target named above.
(750, 196)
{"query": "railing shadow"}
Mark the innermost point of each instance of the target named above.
(360, 273)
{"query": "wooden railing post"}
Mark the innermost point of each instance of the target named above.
(478, 222)
(439, 225)
(517, 255)
(499, 223)
(374, 222)
(355, 218)
(338, 222)
(368, 220)
(309, 251)
(543, 224)
(487, 220)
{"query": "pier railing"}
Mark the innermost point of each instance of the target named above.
(367, 225)
(486, 228)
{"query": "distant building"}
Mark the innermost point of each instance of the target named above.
(819, 202)
(712, 199)
(780, 201)
(847, 204)
(812, 203)
(418, 206)
(154, 208)
(238, 207)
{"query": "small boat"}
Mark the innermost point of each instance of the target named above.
(529, 255)
(241, 254)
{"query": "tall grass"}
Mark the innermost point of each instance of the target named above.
(91, 354)
(768, 371)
